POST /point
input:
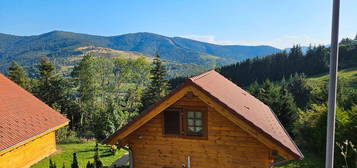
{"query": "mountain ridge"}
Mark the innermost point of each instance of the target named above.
(27, 50)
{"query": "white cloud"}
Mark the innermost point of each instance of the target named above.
(282, 42)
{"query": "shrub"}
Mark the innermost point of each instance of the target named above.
(65, 136)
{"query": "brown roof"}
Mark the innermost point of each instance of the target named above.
(245, 106)
(23, 116)
(239, 102)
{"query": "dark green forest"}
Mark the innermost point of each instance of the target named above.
(102, 94)
(283, 64)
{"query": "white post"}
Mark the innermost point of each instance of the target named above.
(330, 139)
(188, 161)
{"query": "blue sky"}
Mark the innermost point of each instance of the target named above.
(280, 23)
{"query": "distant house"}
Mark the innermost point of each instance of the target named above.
(207, 122)
(27, 126)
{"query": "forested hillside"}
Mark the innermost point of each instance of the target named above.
(59, 46)
(280, 81)
(294, 85)
(283, 64)
(65, 65)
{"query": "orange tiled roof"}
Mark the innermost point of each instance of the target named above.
(22, 115)
(246, 107)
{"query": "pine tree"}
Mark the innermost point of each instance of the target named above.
(158, 86)
(279, 100)
(74, 161)
(267, 93)
(254, 88)
(315, 60)
(285, 109)
(296, 59)
(300, 90)
(17, 74)
(46, 69)
(55, 90)
(50, 87)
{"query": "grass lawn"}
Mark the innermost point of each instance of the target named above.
(85, 153)
(349, 75)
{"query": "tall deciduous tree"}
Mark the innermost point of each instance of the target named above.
(85, 78)
(17, 74)
(109, 92)
(158, 86)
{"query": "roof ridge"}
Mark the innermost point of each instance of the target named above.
(203, 74)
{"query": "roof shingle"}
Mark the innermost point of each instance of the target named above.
(22, 115)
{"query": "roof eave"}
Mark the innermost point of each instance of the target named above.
(33, 137)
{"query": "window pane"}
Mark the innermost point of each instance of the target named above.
(198, 129)
(198, 122)
(198, 114)
(194, 123)
(190, 122)
(190, 114)
(195, 131)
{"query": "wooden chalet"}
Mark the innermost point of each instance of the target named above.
(207, 122)
(27, 126)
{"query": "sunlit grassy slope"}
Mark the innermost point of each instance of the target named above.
(349, 76)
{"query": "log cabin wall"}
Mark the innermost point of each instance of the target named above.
(30, 152)
(227, 145)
